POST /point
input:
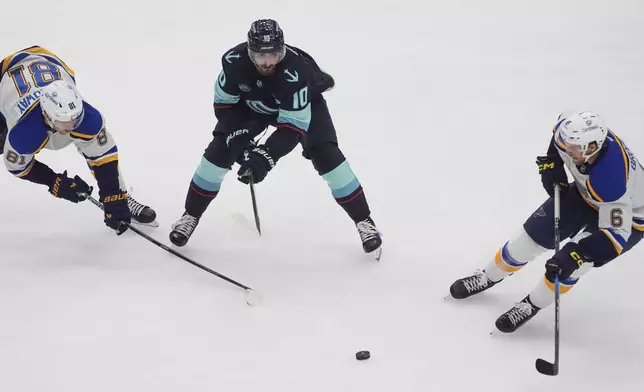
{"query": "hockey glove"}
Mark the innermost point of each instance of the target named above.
(258, 164)
(564, 262)
(552, 172)
(240, 159)
(117, 212)
(68, 188)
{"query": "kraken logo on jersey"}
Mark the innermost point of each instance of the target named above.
(260, 107)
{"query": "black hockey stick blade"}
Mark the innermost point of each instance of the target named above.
(547, 368)
(252, 297)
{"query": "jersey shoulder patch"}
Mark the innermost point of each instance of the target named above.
(291, 75)
(294, 67)
(234, 54)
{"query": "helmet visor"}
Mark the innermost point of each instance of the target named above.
(70, 125)
(267, 58)
(573, 150)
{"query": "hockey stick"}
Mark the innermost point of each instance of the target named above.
(543, 366)
(251, 183)
(252, 297)
(154, 223)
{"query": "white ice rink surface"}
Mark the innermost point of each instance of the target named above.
(441, 108)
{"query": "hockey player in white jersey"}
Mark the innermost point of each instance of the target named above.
(604, 204)
(41, 108)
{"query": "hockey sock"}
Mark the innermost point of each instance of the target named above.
(347, 191)
(542, 296)
(513, 256)
(204, 187)
(331, 164)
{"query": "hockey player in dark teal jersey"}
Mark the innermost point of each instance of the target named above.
(265, 82)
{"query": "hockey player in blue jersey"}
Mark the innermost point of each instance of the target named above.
(41, 108)
(604, 204)
(265, 82)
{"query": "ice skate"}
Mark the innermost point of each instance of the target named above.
(183, 229)
(514, 318)
(471, 285)
(370, 236)
(141, 213)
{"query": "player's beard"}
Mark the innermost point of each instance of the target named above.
(266, 70)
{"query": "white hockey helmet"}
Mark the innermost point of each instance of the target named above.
(62, 105)
(577, 131)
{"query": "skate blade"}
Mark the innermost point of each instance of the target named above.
(377, 253)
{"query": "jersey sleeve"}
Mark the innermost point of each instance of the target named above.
(19, 165)
(294, 105)
(100, 151)
(92, 140)
(27, 167)
(227, 93)
(607, 186)
(23, 142)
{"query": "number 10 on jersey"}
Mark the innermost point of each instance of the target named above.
(301, 98)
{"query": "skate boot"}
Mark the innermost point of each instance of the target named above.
(471, 285)
(140, 212)
(370, 236)
(183, 229)
(511, 320)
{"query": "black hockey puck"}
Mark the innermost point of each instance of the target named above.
(362, 355)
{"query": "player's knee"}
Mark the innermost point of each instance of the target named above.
(228, 144)
(238, 139)
(523, 248)
(325, 157)
(540, 231)
(219, 153)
